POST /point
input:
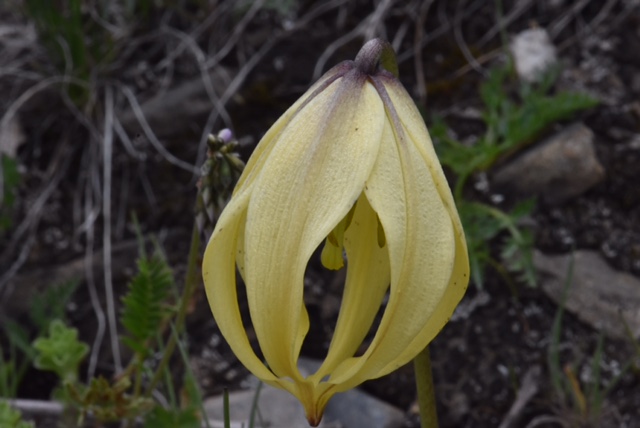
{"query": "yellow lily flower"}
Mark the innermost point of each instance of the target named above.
(351, 162)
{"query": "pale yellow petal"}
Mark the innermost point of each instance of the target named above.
(219, 274)
(365, 286)
(420, 236)
(313, 175)
(416, 130)
(266, 144)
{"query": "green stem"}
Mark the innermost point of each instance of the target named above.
(426, 392)
(459, 187)
(191, 282)
(137, 385)
(225, 408)
(502, 217)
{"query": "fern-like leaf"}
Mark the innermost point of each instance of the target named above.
(145, 303)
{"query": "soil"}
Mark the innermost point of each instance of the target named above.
(500, 333)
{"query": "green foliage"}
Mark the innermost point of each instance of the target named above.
(108, 402)
(21, 353)
(512, 122)
(80, 38)
(168, 418)
(9, 180)
(12, 418)
(51, 304)
(18, 337)
(61, 30)
(79, 43)
(60, 352)
(583, 402)
(146, 316)
(8, 381)
(145, 303)
(45, 308)
(482, 223)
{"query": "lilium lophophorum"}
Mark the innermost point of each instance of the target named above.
(350, 163)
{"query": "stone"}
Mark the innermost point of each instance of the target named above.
(597, 294)
(11, 136)
(533, 53)
(277, 408)
(557, 169)
(351, 409)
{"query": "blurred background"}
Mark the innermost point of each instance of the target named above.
(106, 112)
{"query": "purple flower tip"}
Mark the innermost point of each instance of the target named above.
(225, 135)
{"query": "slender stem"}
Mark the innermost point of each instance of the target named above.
(457, 192)
(254, 405)
(137, 385)
(225, 408)
(426, 392)
(190, 285)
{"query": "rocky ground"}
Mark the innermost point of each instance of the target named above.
(491, 361)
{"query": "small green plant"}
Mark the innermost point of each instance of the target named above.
(484, 222)
(80, 45)
(107, 401)
(61, 352)
(12, 418)
(44, 308)
(512, 122)
(581, 403)
(145, 305)
(153, 316)
(166, 418)
(146, 314)
(61, 30)
(14, 364)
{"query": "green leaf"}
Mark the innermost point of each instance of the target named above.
(19, 337)
(145, 303)
(517, 256)
(482, 223)
(165, 418)
(513, 119)
(106, 401)
(12, 418)
(60, 352)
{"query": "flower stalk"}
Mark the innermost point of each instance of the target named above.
(425, 389)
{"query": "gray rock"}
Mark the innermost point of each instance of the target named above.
(533, 53)
(276, 408)
(598, 294)
(279, 409)
(11, 137)
(557, 169)
(354, 409)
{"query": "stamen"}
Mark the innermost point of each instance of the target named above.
(332, 256)
(333, 250)
(332, 253)
(349, 216)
